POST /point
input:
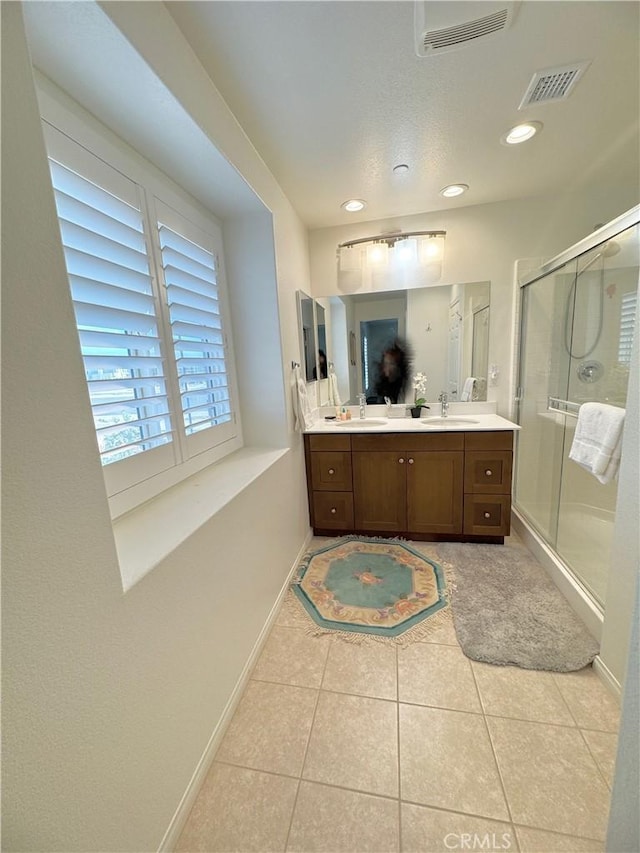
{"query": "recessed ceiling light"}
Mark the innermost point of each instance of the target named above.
(401, 168)
(453, 190)
(353, 205)
(521, 132)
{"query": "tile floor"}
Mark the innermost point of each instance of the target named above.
(351, 748)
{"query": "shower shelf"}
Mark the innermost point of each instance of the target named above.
(564, 407)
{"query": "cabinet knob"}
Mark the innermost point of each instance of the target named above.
(488, 472)
(333, 510)
(401, 460)
(410, 461)
(487, 515)
(332, 471)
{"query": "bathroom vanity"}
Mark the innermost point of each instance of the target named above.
(406, 478)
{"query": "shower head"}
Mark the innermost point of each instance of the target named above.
(608, 250)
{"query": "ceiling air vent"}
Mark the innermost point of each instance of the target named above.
(554, 84)
(444, 26)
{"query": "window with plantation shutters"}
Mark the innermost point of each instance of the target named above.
(148, 295)
(196, 330)
(115, 310)
(628, 310)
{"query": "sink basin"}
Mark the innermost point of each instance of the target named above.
(447, 421)
(358, 424)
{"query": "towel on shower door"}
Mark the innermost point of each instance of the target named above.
(597, 443)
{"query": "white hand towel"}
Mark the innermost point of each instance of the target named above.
(334, 393)
(597, 443)
(467, 389)
(302, 411)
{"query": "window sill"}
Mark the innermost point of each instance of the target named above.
(149, 533)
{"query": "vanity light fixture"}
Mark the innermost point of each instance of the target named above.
(353, 205)
(391, 260)
(521, 133)
(452, 190)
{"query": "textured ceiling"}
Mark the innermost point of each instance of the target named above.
(333, 96)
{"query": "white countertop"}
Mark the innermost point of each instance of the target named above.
(483, 422)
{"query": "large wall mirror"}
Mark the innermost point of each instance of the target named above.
(447, 328)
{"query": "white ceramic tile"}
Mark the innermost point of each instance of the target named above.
(592, 704)
(291, 656)
(438, 675)
(426, 830)
(270, 728)
(550, 779)
(333, 820)
(603, 746)
(239, 810)
(354, 744)
(524, 694)
(446, 761)
(367, 669)
(537, 841)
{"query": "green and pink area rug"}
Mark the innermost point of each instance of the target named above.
(362, 588)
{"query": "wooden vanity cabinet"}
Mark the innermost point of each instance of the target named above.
(408, 482)
(438, 485)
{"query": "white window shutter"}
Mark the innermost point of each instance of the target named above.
(112, 291)
(190, 273)
(628, 309)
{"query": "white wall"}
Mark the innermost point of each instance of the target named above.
(429, 306)
(110, 699)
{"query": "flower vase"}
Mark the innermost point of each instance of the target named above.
(416, 411)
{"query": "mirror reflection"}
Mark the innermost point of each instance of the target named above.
(307, 335)
(446, 330)
(320, 371)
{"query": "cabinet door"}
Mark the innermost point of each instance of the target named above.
(434, 492)
(380, 490)
(333, 510)
(331, 470)
(487, 472)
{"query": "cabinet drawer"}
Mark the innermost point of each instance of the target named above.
(487, 515)
(328, 442)
(498, 440)
(487, 471)
(333, 510)
(331, 470)
(407, 441)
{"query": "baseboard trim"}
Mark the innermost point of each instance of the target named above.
(179, 819)
(607, 677)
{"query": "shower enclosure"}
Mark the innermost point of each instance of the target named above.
(576, 327)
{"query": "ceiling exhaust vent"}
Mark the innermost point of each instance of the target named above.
(444, 26)
(554, 84)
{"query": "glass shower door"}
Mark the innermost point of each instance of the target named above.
(603, 315)
(544, 374)
(576, 329)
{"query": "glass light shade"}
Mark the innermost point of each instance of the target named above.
(405, 252)
(378, 255)
(431, 249)
(350, 258)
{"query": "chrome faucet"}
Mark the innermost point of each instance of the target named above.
(443, 398)
(387, 401)
(362, 400)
